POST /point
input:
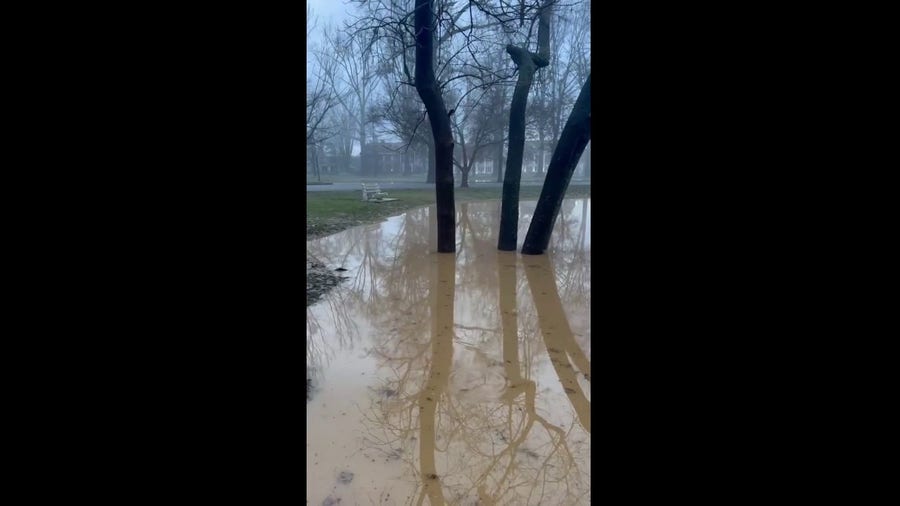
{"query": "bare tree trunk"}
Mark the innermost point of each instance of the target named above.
(430, 92)
(572, 141)
(528, 64)
(509, 214)
(464, 166)
(407, 166)
(346, 155)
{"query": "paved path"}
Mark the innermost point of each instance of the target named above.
(385, 185)
(406, 185)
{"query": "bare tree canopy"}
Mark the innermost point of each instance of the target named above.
(368, 118)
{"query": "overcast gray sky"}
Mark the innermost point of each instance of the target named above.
(329, 11)
(325, 12)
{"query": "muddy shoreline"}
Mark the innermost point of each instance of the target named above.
(320, 279)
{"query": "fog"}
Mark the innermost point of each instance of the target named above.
(365, 119)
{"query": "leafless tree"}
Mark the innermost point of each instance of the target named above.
(557, 85)
(574, 138)
(342, 142)
(430, 92)
(320, 98)
(527, 63)
(475, 127)
(404, 116)
(355, 81)
(447, 38)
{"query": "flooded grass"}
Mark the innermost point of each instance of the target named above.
(331, 212)
(460, 378)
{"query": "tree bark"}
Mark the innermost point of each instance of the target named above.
(509, 214)
(528, 64)
(430, 92)
(572, 141)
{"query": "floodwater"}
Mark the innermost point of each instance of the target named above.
(451, 378)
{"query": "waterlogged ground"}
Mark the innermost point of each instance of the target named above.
(460, 378)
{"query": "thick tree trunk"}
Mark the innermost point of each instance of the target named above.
(509, 214)
(407, 166)
(574, 138)
(528, 64)
(465, 176)
(430, 92)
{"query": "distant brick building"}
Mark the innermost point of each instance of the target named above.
(384, 158)
(533, 168)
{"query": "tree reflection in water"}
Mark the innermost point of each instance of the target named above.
(321, 345)
(483, 367)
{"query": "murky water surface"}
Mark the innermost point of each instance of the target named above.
(452, 378)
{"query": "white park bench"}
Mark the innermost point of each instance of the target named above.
(372, 192)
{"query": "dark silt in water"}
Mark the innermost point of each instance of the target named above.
(451, 378)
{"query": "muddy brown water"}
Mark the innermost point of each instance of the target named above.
(451, 378)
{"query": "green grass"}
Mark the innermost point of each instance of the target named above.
(331, 212)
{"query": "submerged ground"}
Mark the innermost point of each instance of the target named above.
(462, 378)
(334, 211)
